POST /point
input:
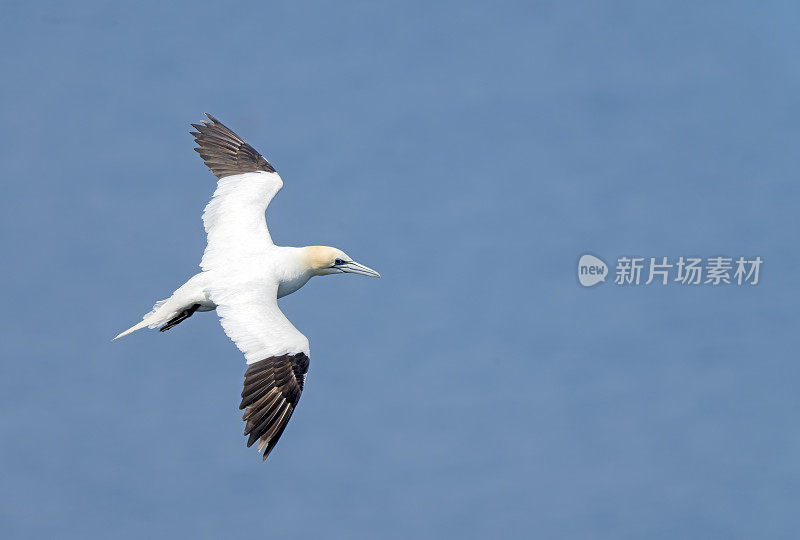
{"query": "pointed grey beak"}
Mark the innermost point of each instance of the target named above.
(353, 267)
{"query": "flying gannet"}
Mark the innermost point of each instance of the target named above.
(243, 275)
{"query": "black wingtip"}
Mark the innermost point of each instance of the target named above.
(224, 152)
(266, 421)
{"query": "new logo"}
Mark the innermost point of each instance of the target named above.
(591, 270)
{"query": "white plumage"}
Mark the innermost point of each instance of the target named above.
(243, 275)
(234, 219)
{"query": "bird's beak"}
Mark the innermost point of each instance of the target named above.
(353, 267)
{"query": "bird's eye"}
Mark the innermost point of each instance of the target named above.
(338, 262)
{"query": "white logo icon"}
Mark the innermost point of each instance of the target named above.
(591, 270)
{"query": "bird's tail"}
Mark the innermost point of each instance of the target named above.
(155, 317)
(133, 328)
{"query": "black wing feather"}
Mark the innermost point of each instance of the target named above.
(224, 152)
(272, 388)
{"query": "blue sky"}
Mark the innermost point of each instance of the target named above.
(470, 152)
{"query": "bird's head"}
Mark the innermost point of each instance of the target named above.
(324, 260)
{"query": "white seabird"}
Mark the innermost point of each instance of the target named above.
(243, 275)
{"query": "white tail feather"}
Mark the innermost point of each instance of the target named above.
(152, 319)
(190, 293)
(133, 328)
(155, 309)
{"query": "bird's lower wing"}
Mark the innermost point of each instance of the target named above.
(276, 353)
(272, 388)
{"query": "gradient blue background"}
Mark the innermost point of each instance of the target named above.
(470, 152)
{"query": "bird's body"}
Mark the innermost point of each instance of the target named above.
(243, 275)
(281, 265)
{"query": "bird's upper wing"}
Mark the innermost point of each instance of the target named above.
(234, 218)
(225, 153)
(276, 353)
